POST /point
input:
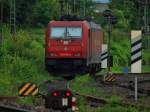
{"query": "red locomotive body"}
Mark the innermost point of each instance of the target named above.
(73, 46)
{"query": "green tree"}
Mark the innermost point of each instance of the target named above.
(126, 11)
(24, 11)
(44, 11)
(82, 8)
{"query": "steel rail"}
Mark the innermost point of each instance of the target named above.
(5, 108)
(98, 100)
(133, 74)
(92, 98)
(11, 98)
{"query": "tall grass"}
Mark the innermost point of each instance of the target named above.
(120, 49)
(21, 60)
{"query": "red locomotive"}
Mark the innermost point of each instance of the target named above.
(73, 46)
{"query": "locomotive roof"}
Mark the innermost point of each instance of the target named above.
(93, 25)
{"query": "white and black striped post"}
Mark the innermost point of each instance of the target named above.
(104, 56)
(136, 51)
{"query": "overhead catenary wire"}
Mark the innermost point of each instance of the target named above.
(1, 22)
(13, 16)
(84, 6)
(143, 10)
(146, 16)
(146, 26)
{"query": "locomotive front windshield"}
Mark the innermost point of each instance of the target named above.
(66, 32)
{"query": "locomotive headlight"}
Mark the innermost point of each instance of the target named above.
(77, 54)
(53, 54)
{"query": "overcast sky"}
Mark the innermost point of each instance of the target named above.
(102, 1)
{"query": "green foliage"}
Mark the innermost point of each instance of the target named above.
(114, 100)
(40, 12)
(32, 12)
(126, 11)
(120, 48)
(44, 11)
(22, 60)
(24, 11)
(122, 22)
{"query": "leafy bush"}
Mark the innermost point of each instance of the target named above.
(120, 48)
(121, 21)
(22, 60)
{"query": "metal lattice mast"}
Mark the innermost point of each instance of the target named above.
(61, 7)
(84, 6)
(1, 22)
(143, 6)
(13, 16)
(146, 27)
(74, 6)
(143, 10)
(139, 16)
(81, 8)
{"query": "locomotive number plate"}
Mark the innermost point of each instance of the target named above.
(65, 102)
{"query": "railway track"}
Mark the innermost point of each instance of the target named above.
(5, 108)
(134, 74)
(97, 102)
(92, 100)
(8, 104)
(131, 87)
(141, 90)
(123, 81)
(127, 82)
